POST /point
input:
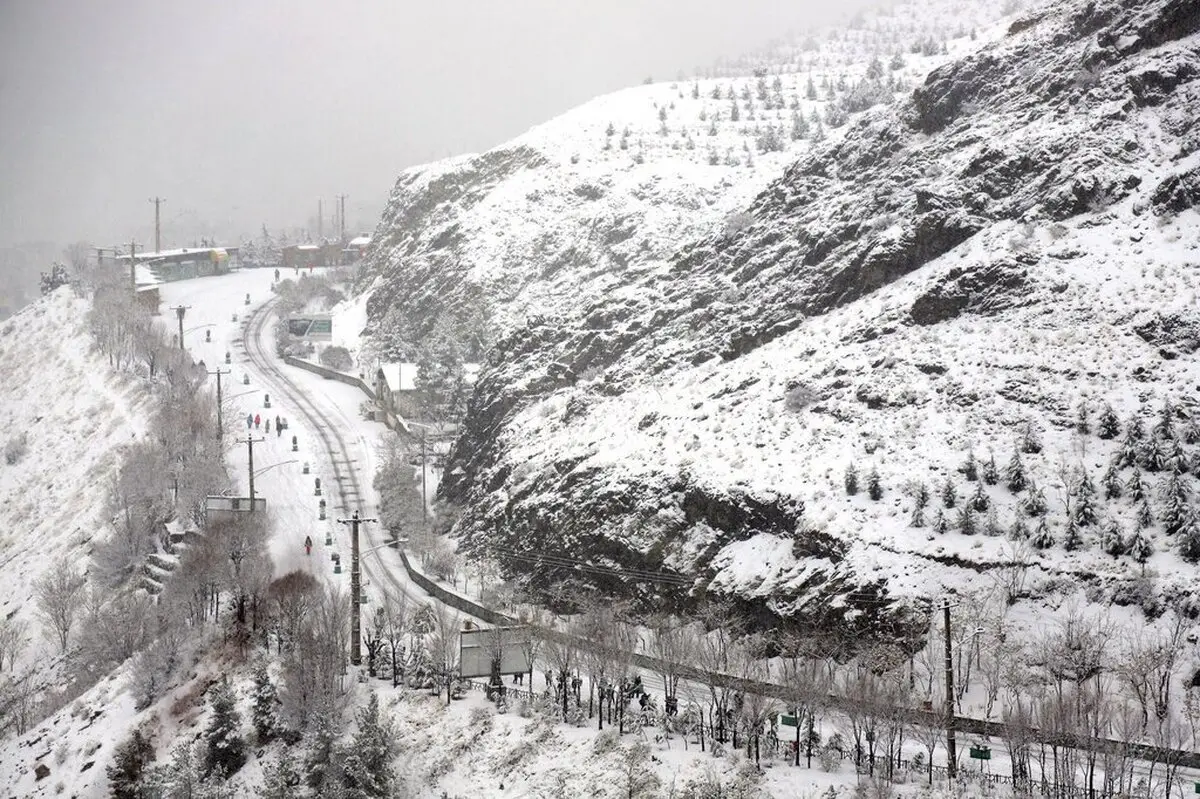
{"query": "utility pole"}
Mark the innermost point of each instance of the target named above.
(250, 441)
(951, 753)
(424, 499)
(180, 310)
(342, 215)
(157, 227)
(355, 590)
(132, 267)
(220, 424)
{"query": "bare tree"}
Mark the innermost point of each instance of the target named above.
(314, 666)
(60, 594)
(291, 600)
(720, 654)
(443, 647)
(674, 643)
(395, 627)
(12, 640)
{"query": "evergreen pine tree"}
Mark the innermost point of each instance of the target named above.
(874, 486)
(130, 761)
(1164, 428)
(368, 767)
(851, 479)
(1129, 453)
(1035, 501)
(320, 763)
(1175, 457)
(1139, 548)
(1031, 441)
(1042, 537)
(1134, 431)
(1083, 513)
(1083, 423)
(1108, 426)
(990, 473)
(979, 500)
(920, 502)
(266, 698)
(281, 780)
(1188, 533)
(1014, 473)
(1112, 539)
(970, 469)
(1111, 482)
(225, 747)
(1136, 487)
(966, 520)
(940, 525)
(991, 526)
(177, 779)
(1072, 538)
(1150, 454)
(1145, 517)
(949, 495)
(1018, 531)
(1176, 504)
(1191, 431)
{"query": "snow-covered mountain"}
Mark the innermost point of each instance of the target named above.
(677, 388)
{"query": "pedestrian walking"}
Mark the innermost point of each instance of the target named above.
(308, 545)
(276, 275)
(257, 420)
(249, 420)
(268, 427)
(278, 430)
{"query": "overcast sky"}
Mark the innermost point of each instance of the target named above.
(241, 112)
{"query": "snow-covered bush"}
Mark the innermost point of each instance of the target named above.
(16, 448)
(337, 358)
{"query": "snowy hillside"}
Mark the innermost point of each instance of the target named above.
(593, 199)
(66, 418)
(1014, 239)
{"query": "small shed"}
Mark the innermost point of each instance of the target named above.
(396, 387)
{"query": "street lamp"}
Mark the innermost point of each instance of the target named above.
(265, 469)
(424, 494)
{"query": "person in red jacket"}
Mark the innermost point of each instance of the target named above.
(308, 545)
(257, 421)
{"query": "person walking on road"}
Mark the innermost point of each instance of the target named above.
(307, 542)
(276, 275)
(268, 427)
(257, 419)
(249, 420)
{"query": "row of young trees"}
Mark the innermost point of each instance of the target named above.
(1162, 450)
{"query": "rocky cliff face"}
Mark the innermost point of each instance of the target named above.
(1016, 240)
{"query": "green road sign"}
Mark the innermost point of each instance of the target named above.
(789, 721)
(981, 753)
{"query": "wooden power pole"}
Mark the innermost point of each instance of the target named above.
(220, 420)
(355, 589)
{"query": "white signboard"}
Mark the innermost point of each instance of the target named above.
(478, 648)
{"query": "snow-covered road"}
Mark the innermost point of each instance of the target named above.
(218, 305)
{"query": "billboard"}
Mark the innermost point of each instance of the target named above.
(315, 327)
(478, 648)
(224, 508)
